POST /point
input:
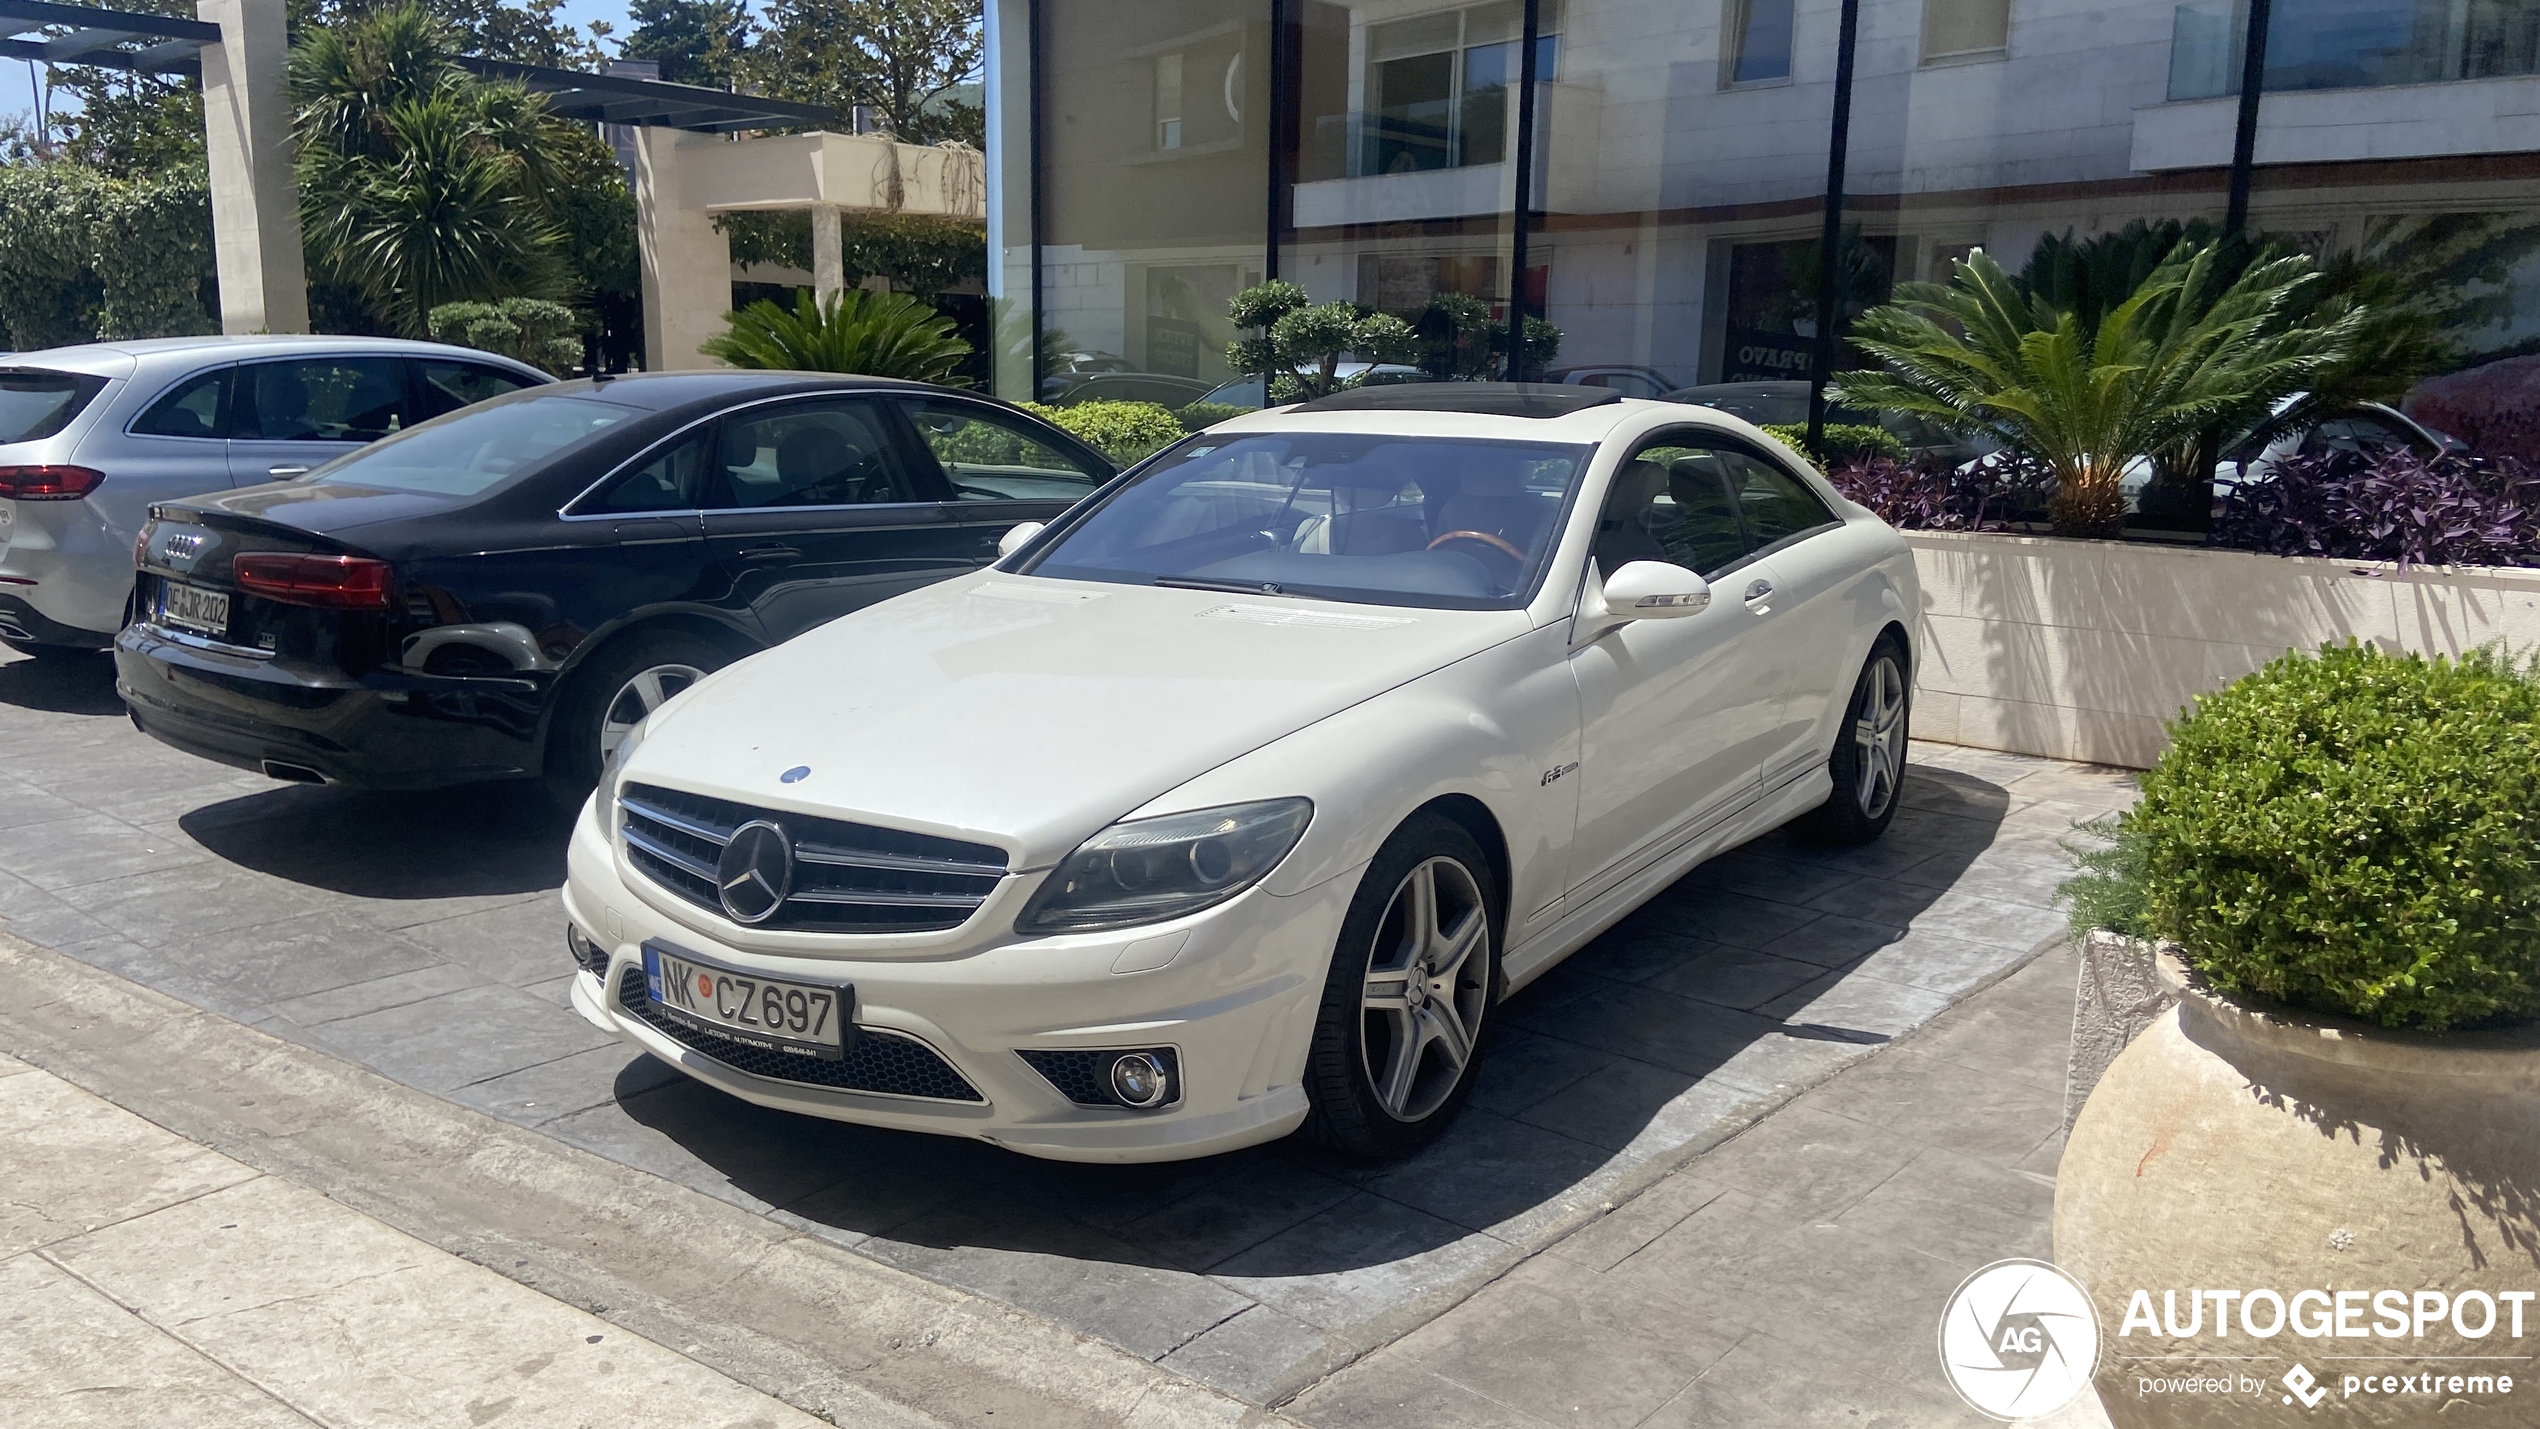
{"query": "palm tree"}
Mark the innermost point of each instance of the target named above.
(2186, 347)
(420, 184)
(867, 333)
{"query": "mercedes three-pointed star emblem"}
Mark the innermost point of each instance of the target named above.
(756, 872)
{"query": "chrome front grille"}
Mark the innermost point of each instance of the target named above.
(848, 878)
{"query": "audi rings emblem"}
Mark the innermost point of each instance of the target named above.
(756, 872)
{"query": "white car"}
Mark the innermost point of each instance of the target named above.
(1235, 800)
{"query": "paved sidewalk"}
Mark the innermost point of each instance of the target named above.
(420, 937)
(145, 1280)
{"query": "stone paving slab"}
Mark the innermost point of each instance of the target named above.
(148, 1280)
(421, 936)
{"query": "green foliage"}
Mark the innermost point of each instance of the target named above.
(1298, 348)
(1200, 416)
(543, 334)
(903, 57)
(1458, 340)
(421, 185)
(872, 334)
(696, 42)
(1844, 442)
(2185, 349)
(1122, 431)
(85, 256)
(2354, 833)
(920, 253)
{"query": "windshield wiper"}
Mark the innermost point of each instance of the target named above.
(1236, 587)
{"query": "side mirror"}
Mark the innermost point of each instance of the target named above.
(1015, 540)
(1641, 590)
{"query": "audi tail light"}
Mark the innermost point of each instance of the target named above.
(330, 582)
(48, 483)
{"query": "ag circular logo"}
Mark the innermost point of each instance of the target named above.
(756, 872)
(2019, 1340)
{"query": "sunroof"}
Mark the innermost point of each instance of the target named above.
(1482, 399)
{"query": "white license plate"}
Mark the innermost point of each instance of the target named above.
(802, 1019)
(190, 607)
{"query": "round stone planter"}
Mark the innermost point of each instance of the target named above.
(2243, 1148)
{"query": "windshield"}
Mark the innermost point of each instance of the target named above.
(472, 450)
(35, 404)
(1423, 521)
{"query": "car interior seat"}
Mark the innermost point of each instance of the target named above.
(1491, 498)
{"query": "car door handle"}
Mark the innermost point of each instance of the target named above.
(1760, 590)
(774, 551)
(286, 471)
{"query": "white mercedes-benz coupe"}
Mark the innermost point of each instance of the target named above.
(1235, 800)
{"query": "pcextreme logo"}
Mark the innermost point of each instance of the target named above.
(2018, 1340)
(2242, 1327)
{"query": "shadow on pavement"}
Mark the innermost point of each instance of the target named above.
(475, 840)
(1588, 1062)
(61, 684)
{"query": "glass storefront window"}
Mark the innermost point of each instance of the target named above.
(1763, 41)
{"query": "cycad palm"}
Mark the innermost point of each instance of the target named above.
(871, 334)
(2184, 349)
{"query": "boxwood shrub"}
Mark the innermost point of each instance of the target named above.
(1123, 431)
(2353, 832)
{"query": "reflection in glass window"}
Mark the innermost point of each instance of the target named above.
(476, 450)
(1763, 41)
(1387, 520)
(674, 480)
(1671, 503)
(808, 454)
(989, 457)
(1962, 27)
(1438, 86)
(192, 409)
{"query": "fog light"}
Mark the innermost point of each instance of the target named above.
(1139, 1080)
(588, 955)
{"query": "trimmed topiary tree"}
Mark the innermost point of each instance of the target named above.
(2353, 832)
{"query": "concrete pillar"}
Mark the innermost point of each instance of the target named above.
(687, 262)
(828, 252)
(264, 281)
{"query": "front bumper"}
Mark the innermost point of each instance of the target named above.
(380, 731)
(1236, 1003)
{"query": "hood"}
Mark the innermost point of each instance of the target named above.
(327, 508)
(1030, 712)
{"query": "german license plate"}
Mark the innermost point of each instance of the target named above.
(800, 1019)
(190, 607)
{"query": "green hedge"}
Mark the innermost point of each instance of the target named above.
(1200, 416)
(1844, 442)
(2352, 833)
(543, 334)
(1123, 431)
(84, 256)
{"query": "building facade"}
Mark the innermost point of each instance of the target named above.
(1152, 157)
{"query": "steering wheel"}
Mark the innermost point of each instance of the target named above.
(1497, 543)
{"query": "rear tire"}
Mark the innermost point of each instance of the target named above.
(1868, 763)
(1414, 975)
(609, 696)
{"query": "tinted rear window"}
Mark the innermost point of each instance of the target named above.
(35, 404)
(476, 449)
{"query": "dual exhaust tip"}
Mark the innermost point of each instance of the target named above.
(292, 773)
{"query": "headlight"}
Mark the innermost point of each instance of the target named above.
(1148, 870)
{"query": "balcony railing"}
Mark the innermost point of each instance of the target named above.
(2353, 44)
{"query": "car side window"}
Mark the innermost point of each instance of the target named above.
(321, 399)
(448, 386)
(673, 479)
(989, 455)
(1671, 502)
(192, 408)
(829, 453)
(1775, 505)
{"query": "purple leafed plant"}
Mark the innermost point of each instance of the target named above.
(2389, 505)
(1913, 496)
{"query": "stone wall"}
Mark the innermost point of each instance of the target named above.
(2085, 649)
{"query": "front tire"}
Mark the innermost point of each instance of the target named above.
(1868, 763)
(610, 696)
(1414, 975)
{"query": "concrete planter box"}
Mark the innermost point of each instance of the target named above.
(2084, 649)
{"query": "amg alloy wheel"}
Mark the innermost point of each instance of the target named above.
(1868, 764)
(610, 695)
(1414, 975)
(646, 691)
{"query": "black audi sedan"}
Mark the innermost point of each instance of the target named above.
(505, 591)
